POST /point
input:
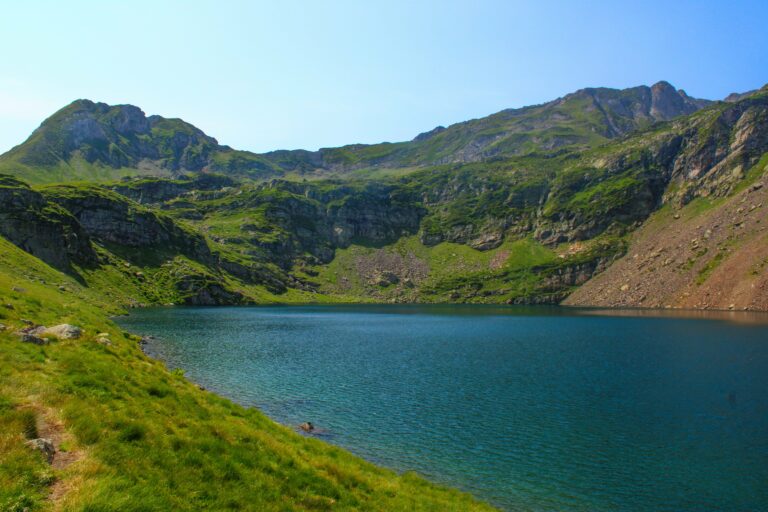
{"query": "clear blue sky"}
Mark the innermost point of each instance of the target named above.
(280, 74)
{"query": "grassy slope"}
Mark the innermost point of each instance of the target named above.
(77, 169)
(142, 438)
(453, 272)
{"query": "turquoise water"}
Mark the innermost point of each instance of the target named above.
(530, 409)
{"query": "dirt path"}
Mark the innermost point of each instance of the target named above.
(49, 426)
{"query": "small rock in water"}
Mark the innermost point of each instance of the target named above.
(307, 426)
(43, 445)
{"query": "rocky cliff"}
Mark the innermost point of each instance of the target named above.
(41, 228)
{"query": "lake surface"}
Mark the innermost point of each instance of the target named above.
(527, 408)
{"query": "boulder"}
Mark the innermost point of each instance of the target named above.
(487, 241)
(307, 426)
(64, 332)
(45, 446)
(385, 278)
(31, 338)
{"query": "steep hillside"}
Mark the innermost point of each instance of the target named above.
(709, 254)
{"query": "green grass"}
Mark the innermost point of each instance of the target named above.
(517, 269)
(147, 439)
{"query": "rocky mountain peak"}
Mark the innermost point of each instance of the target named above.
(667, 102)
(428, 135)
(115, 136)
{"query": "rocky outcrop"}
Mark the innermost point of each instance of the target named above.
(41, 228)
(114, 220)
(303, 219)
(201, 290)
(155, 191)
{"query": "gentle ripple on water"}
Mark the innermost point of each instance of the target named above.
(536, 409)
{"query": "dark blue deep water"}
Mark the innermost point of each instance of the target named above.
(530, 409)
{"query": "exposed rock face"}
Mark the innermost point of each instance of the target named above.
(28, 220)
(705, 158)
(202, 291)
(154, 191)
(112, 219)
(666, 102)
(315, 221)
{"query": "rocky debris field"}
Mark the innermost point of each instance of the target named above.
(709, 255)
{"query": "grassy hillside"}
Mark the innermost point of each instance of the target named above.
(130, 435)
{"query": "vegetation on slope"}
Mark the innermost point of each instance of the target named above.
(130, 435)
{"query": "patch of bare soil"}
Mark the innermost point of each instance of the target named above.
(384, 268)
(717, 259)
(50, 427)
(498, 259)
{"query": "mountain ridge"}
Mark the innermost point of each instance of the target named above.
(530, 224)
(118, 137)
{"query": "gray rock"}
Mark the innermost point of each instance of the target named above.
(63, 331)
(487, 241)
(45, 446)
(31, 338)
(307, 426)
